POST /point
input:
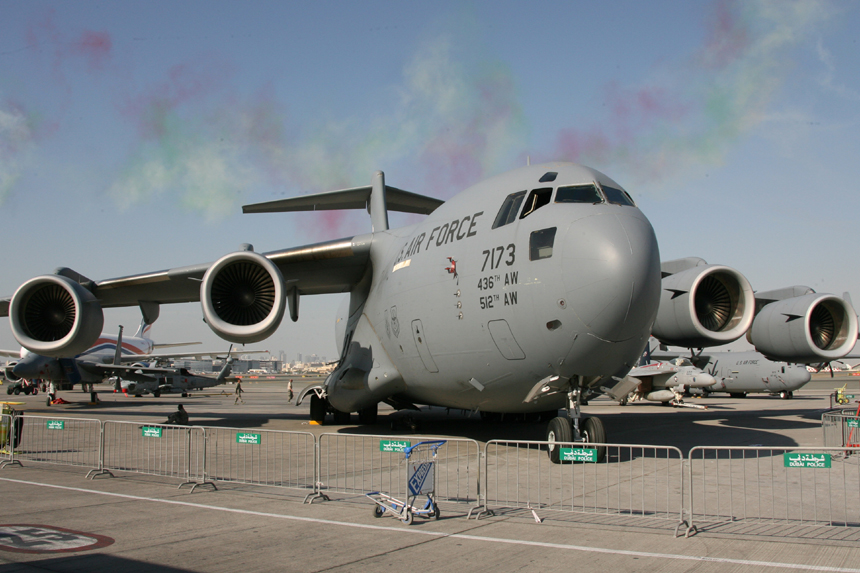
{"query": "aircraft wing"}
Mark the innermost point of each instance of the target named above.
(11, 353)
(321, 268)
(195, 355)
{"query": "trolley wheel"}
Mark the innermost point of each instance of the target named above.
(558, 430)
(16, 391)
(377, 510)
(48, 400)
(9, 390)
(436, 513)
(408, 518)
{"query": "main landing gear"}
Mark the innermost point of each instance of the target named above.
(320, 407)
(569, 430)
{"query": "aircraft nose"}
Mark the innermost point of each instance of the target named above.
(26, 368)
(704, 380)
(612, 274)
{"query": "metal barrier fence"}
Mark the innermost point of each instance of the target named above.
(7, 440)
(63, 441)
(350, 463)
(261, 457)
(840, 428)
(810, 486)
(155, 449)
(632, 481)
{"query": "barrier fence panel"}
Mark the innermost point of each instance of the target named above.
(263, 457)
(632, 481)
(798, 485)
(155, 449)
(840, 428)
(54, 440)
(360, 464)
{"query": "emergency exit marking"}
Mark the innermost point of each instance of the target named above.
(56, 424)
(397, 446)
(247, 438)
(578, 454)
(806, 460)
(151, 432)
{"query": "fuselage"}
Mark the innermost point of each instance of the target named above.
(545, 270)
(751, 372)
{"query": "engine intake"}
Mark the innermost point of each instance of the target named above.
(810, 328)
(53, 315)
(706, 305)
(243, 297)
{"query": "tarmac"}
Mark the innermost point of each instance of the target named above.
(60, 521)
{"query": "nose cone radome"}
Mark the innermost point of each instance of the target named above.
(28, 367)
(703, 380)
(612, 274)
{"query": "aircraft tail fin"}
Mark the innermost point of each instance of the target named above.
(143, 330)
(378, 198)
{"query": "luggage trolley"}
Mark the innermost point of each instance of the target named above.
(420, 480)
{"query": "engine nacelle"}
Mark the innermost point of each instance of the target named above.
(243, 297)
(53, 315)
(8, 374)
(706, 305)
(810, 328)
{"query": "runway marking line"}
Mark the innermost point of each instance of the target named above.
(465, 536)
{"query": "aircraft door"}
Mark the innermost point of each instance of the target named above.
(423, 349)
(501, 333)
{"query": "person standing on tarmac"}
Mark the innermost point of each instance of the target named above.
(238, 393)
(290, 390)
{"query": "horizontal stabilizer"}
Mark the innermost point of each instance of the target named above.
(355, 198)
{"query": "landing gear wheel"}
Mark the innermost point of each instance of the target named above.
(341, 418)
(368, 415)
(48, 400)
(558, 430)
(738, 394)
(594, 433)
(790, 395)
(318, 408)
(157, 394)
(784, 395)
(378, 511)
(408, 518)
(185, 394)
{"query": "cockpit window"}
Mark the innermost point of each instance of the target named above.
(540, 244)
(537, 199)
(510, 208)
(578, 194)
(617, 196)
(680, 361)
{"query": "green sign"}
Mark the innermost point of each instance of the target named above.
(853, 422)
(242, 438)
(397, 446)
(578, 454)
(150, 432)
(56, 424)
(806, 460)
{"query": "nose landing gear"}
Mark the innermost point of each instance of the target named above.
(574, 428)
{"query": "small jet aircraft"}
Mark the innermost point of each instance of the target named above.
(525, 293)
(110, 355)
(663, 382)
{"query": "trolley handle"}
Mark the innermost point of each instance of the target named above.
(434, 445)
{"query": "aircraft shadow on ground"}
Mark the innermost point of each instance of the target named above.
(90, 562)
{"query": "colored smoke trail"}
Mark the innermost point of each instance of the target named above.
(17, 143)
(693, 115)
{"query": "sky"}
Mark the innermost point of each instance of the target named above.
(131, 133)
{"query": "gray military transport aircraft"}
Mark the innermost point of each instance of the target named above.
(525, 293)
(742, 373)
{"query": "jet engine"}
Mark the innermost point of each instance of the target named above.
(243, 297)
(705, 305)
(809, 328)
(53, 315)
